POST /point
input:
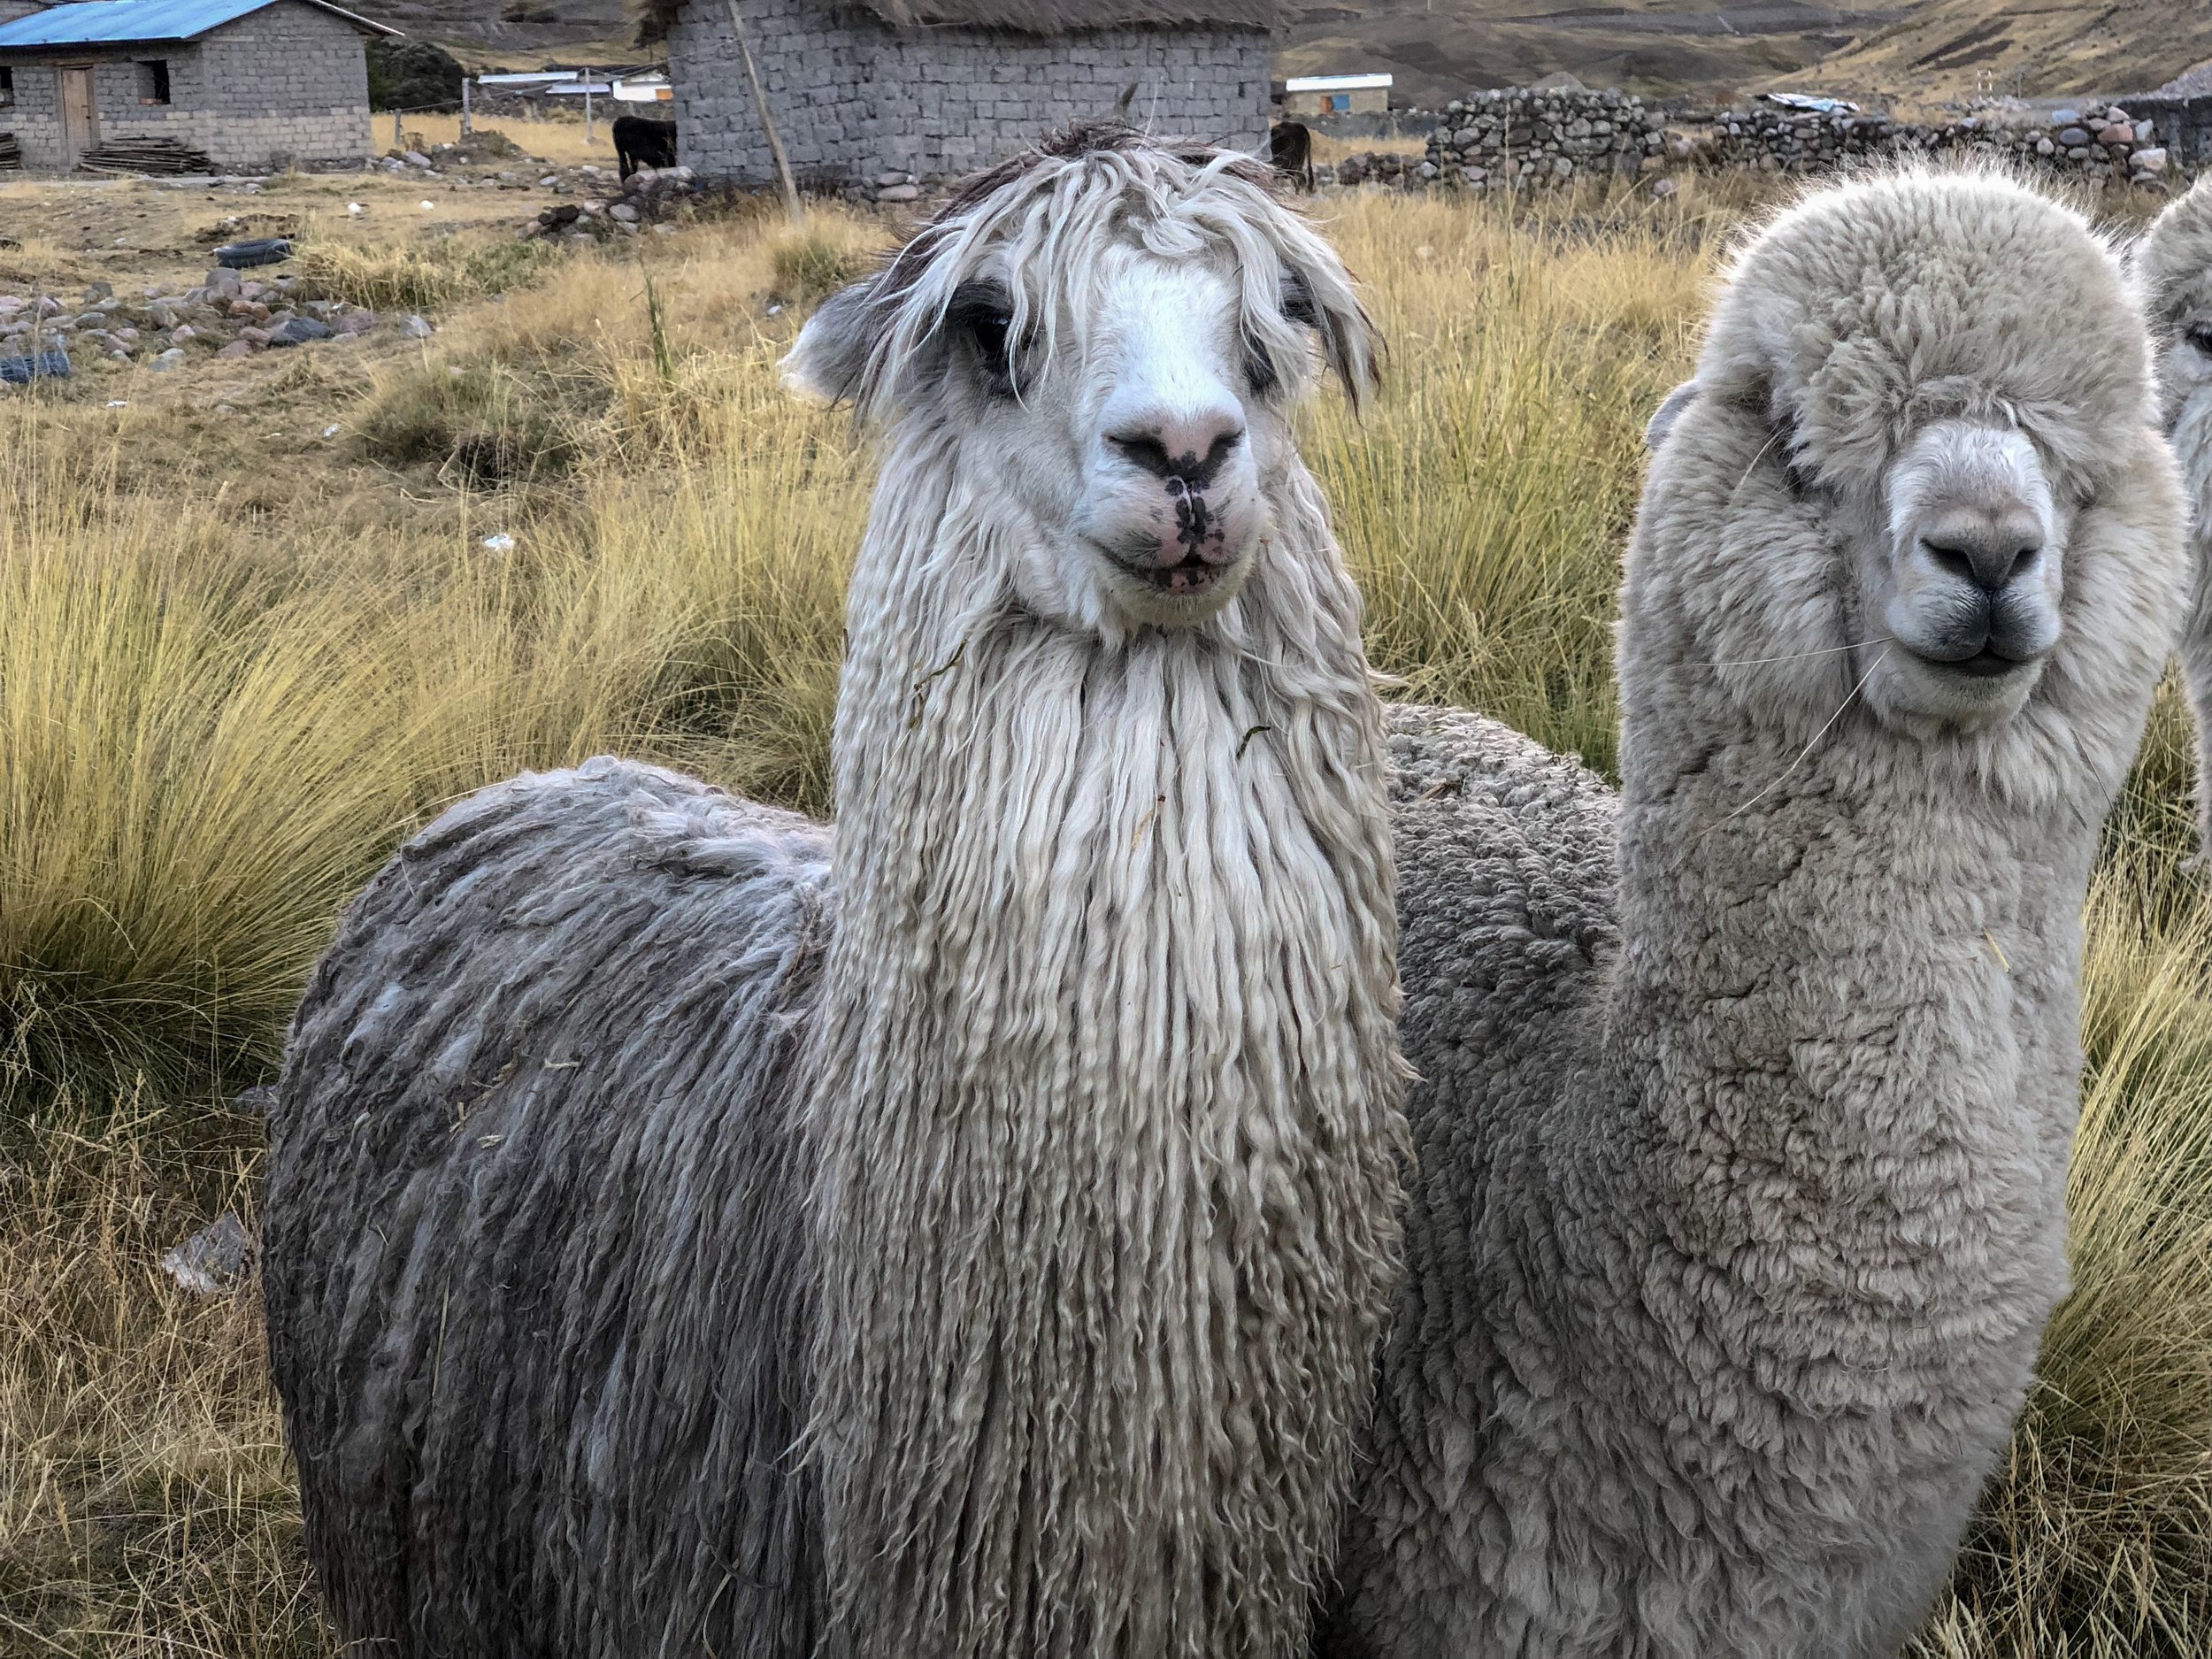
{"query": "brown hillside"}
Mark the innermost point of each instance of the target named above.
(1917, 50)
(1953, 49)
(1438, 49)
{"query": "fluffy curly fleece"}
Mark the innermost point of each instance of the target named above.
(2173, 272)
(1747, 1094)
(689, 1230)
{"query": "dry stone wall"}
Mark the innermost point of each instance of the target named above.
(1515, 139)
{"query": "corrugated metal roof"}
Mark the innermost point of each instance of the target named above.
(106, 22)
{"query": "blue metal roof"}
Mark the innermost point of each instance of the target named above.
(116, 22)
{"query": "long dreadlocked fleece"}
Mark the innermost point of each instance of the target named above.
(665, 1258)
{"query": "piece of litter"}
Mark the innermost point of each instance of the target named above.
(330, 432)
(775, 311)
(429, 207)
(499, 543)
(118, 403)
(353, 207)
(206, 1263)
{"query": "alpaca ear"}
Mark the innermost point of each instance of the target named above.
(1669, 412)
(830, 359)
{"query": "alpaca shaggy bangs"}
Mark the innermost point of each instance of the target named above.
(1029, 224)
(1858, 339)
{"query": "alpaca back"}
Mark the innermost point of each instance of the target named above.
(534, 1246)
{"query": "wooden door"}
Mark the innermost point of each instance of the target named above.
(80, 115)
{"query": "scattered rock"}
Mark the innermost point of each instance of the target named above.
(257, 1101)
(167, 360)
(414, 327)
(211, 1260)
(236, 348)
(298, 330)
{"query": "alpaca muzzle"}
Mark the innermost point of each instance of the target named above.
(1977, 601)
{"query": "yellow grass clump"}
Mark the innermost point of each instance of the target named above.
(215, 720)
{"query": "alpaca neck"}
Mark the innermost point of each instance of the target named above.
(1843, 1028)
(1106, 1101)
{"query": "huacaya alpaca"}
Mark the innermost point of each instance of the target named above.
(1747, 1093)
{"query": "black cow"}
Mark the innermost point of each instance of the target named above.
(639, 142)
(1290, 147)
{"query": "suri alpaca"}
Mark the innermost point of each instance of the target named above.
(2172, 268)
(1747, 1093)
(968, 1231)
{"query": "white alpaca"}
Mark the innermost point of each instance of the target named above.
(1748, 1095)
(2172, 268)
(1026, 1153)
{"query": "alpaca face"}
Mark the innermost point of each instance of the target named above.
(1102, 340)
(1972, 575)
(1145, 499)
(2185, 367)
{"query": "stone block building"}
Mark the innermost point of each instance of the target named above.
(887, 94)
(256, 84)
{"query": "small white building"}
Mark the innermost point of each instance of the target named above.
(1336, 95)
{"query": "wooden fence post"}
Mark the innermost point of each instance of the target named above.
(767, 121)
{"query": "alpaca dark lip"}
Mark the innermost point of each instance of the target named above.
(1983, 664)
(1190, 577)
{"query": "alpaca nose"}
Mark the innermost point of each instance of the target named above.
(1186, 448)
(1989, 563)
(1988, 547)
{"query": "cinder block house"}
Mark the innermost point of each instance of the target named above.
(257, 84)
(869, 92)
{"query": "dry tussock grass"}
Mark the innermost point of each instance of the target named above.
(214, 723)
(146, 1505)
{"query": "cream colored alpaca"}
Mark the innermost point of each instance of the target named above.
(965, 1232)
(1747, 1093)
(2172, 268)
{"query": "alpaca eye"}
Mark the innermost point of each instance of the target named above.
(989, 335)
(2199, 335)
(1298, 305)
(1259, 367)
(982, 313)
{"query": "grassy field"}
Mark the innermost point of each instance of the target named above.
(233, 677)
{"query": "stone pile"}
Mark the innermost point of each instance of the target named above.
(650, 198)
(228, 315)
(2100, 143)
(1513, 138)
(1373, 168)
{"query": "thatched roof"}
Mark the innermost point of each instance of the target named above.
(1046, 18)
